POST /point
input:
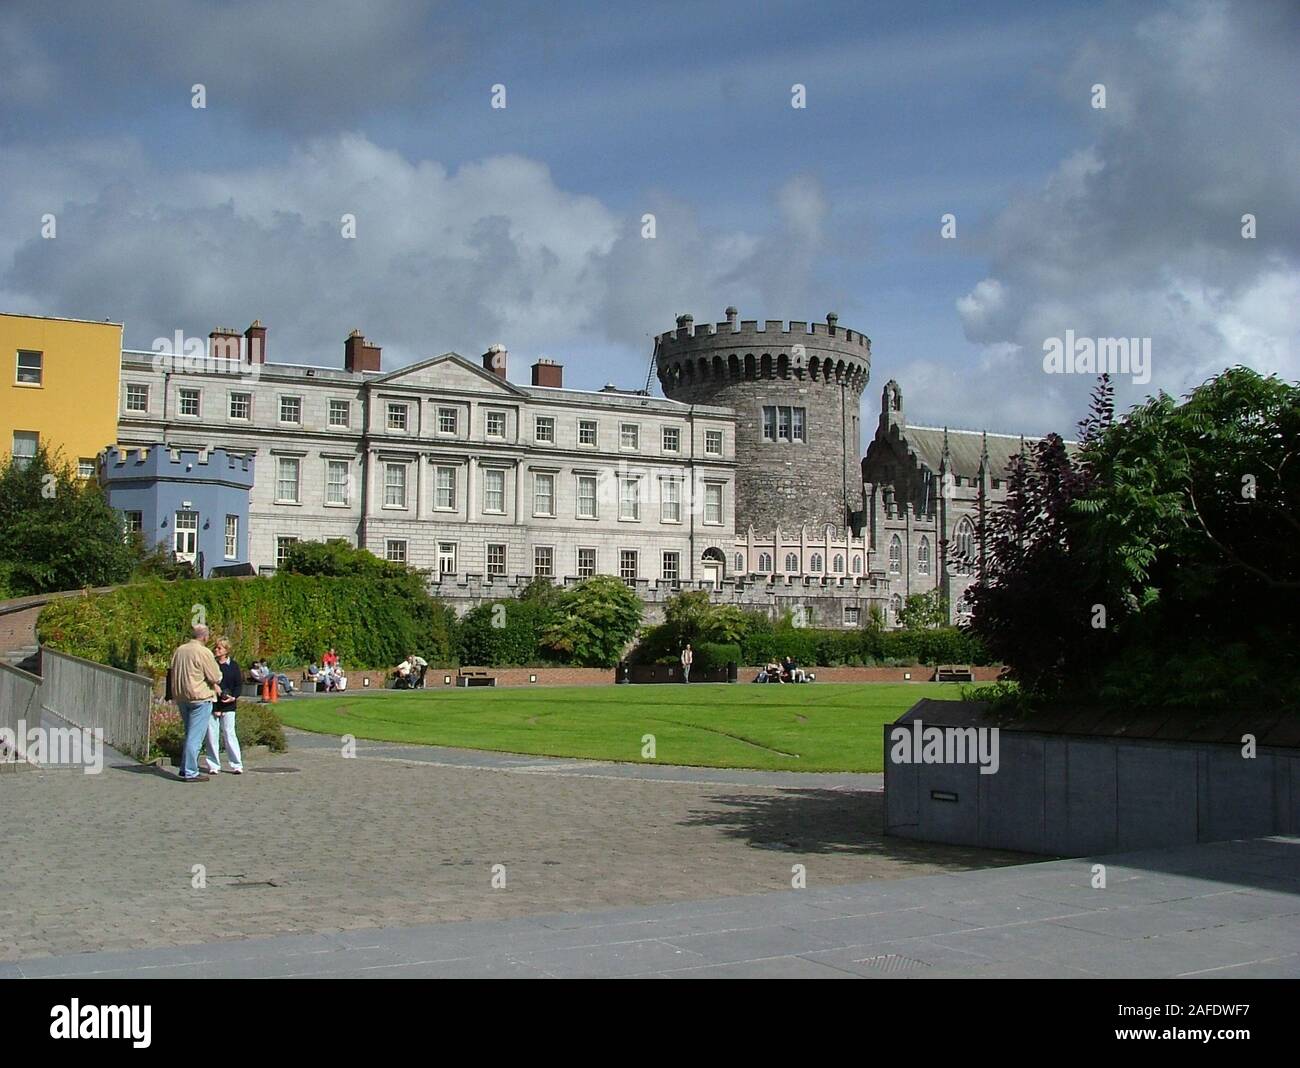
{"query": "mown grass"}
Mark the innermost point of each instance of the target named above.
(779, 728)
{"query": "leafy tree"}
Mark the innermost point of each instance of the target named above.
(57, 531)
(339, 559)
(924, 610)
(594, 621)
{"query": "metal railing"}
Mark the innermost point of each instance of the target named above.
(92, 695)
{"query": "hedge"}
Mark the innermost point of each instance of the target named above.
(288, 620)
(503, 633)
(712, 655)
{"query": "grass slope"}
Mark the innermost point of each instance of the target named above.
(778, 728)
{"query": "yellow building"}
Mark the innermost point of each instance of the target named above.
(59, 380)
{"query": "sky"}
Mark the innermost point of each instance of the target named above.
(523, 225)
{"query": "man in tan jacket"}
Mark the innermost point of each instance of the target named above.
(194, 679)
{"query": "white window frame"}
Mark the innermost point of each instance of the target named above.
(547, 477)
(397, 417)
(712, 489)
(339, 406)
(544, 423)
(584, 571)
(391, 484)
(445, 414)
(709, 436)
(331, 466)
(290, 402)
(670, 499)
(232, 537)
(547, 570)
(19, 369)
(392, 553)
(446, 555)
(634, 500)
(142, 389)
(585, 425)
(280, 480)
(676, 569)
(495, 567)
(676, 434)
(623, 556)
(239, 395)
(283, 543)
(444, 488)
(490, 475)
(186, 393)
(489, 417)
(624, 436)
(579, 497)
(192, 552)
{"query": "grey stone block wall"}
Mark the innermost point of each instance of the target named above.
(1075, 796)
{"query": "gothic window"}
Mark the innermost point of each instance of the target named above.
(740, 563)
(764, 562)
(815, 565)
(857, 565)
(839, 564)
(895, 555)
(923, 556)
(791, 562)
(964, 546)
(895, 607)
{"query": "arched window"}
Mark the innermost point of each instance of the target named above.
(923, 556)
(740, 563)
(839, 564)
(895, 607)
(963, 546)
(764, 563)
(857, 565)
(895, 555)
(815, 565)
(791, 562)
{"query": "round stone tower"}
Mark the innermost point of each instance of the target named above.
(796, 392)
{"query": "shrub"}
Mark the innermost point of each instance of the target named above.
(503, 633)
(594, 621)
(255, 724)
(712, 655)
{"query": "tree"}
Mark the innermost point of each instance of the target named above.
(339, 559)
(57, 531)
(924, 611)
(594, 621)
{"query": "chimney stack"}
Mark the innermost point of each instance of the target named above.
(731, 317)
(359, 354)
(223, 344)
(494, 360)
(255, 342)
(548, 373)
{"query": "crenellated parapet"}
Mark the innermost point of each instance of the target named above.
(691, 357)
(176, 463)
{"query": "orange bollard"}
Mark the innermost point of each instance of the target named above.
(275, 695)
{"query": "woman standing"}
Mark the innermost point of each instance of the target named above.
(223, 712)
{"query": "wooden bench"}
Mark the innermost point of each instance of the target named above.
(954, 673)
(474, 677)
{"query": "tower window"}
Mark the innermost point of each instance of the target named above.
(783, 424)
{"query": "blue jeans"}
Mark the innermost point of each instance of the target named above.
(195, 715)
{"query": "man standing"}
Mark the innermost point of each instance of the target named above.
(194, 680)
(688, 658)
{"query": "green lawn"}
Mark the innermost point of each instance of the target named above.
(778, 728)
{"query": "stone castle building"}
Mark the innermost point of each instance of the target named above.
(746, 478)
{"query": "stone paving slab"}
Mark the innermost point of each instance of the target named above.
(782, 934)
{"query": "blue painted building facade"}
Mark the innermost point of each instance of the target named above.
(194, 502)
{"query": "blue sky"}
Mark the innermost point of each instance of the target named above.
(522, 225)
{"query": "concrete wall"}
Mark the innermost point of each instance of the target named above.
(1072, 796)
(92, 695)
(19, 704)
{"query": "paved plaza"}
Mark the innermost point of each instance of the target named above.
(383, 865)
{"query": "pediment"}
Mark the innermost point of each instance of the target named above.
(448, 373)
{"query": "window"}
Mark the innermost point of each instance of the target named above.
(395, 550)
(629, 436)
(444, 488)
(286, 480)
(543, 494)
(188, 403)
(895, 607)
(713, 442)
(446, 558)
(340, 413)
(137, 397)
(25, 443)
(544, 429)
(627, 565)
(336, 482)
(282, 547)
(783, 424)
(713, 502)
(496, 559)
(395, 485)
(629, 498)
(232, 537)
(740, 563)
(764, 563)
(791, 562)
(86, 467)
(494, 490)
(670, 500)
(185, 534)
(586, 506)
(672, 439)
(291, 410)
(132, 523)
(964, 546)
(839, 564)
(446, 420)
(895, 555)
(857, 565)
(815, 564)
(30, 368)
(586, 563)
(397, 417)
(923, 556)
(672, 566)
(495, 426)
(543, 561)
(587, 432)
(241, 405)
(852, 615)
